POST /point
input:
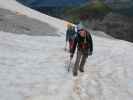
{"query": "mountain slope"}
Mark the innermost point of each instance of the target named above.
(35, 68)
(21, 24)
(89, 11)
(23, 10)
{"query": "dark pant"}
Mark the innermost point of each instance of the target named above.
(71, 42)
(80, 61)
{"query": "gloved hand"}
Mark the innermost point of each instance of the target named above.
(65, 49)
(71, 55)
(90, 53)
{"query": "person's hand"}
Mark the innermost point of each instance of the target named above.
(71, 55)
(90, 53)
(65, 49)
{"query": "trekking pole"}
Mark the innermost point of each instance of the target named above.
(65, 46)
(69, 66)
(66, 60)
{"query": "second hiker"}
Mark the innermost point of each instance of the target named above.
(83, 42)
(70, 35)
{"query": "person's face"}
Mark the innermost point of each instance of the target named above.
(82, 33)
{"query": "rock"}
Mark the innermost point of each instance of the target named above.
(116, 25)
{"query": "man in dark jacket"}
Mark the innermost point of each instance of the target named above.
(83, 42)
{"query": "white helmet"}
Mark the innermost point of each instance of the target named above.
(80, 26)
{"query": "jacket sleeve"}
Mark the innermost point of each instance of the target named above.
(74, 44)
(91, 43)
(67, 35)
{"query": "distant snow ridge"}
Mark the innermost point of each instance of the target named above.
(17, 7)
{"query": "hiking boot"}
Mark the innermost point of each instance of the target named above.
(75, 73)
(81, 70)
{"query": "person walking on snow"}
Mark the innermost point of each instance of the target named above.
(84, 44)
(70, 34)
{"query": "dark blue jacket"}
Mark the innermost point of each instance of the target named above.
(70, 34)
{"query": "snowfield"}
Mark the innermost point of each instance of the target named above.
(35, 67)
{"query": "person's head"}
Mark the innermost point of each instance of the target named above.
(71, 27)
(82, 33)
(81, 26)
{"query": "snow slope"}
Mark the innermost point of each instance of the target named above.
(21, 9)
(31, 69)
(34, 68)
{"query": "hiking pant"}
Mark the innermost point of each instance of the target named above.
(71, 42)
(80, 61)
